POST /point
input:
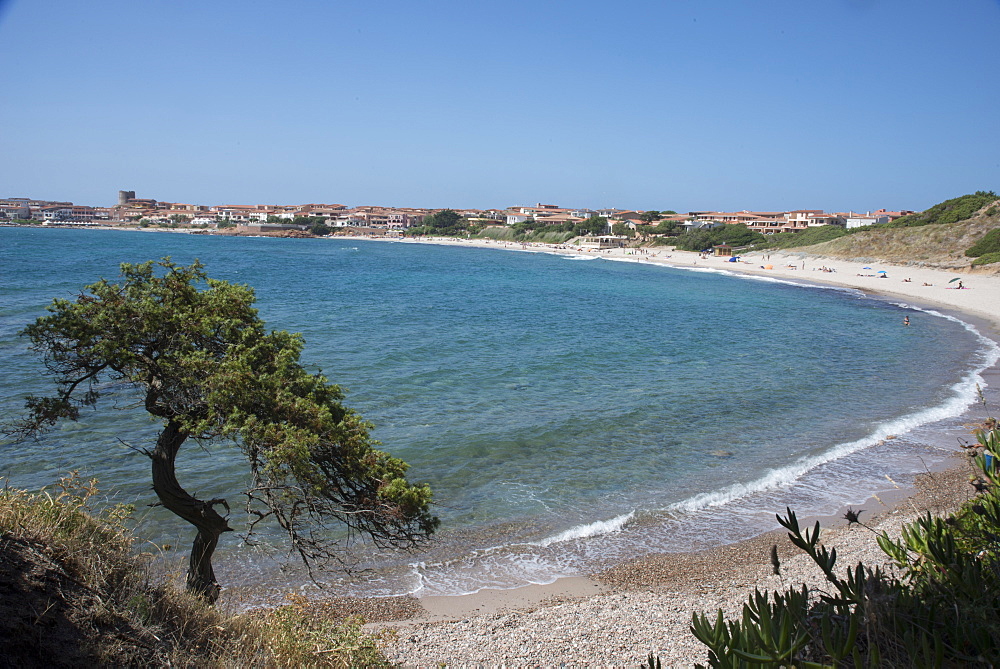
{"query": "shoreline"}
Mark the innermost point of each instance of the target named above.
(621, 615)
(624, 613)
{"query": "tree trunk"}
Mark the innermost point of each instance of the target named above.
(201, 577)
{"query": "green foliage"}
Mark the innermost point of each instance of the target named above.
(320, 229)
(292, 638)
(444, 223)
(940, 608)
(595, 225)
(950, 211)
(197, 356)
(536, 231)
(735, 234)
(990, 243)
(317, 223)
(225, 223)
(807, 237)
(986, 259)
(662, 228)
(622, 230)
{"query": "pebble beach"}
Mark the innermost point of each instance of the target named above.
(646, 606)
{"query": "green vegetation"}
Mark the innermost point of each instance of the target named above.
(940, 607)
(532, 230)
(661, 228)
(444, 223)
(986, 259)
(987, 250)
(735, 235)
(950, 211)
(194, 354)
(74, 573)
(448, 223)
(317, 225)
(990, 243)
(320, 229)
(807, 237)
(505, 233)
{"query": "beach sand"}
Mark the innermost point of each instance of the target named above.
(619, 617)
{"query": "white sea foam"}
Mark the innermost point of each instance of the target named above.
(964, 394)
(773, 280)
(631, 259)
(594, 529)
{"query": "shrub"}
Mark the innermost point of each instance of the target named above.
(990, 243)
(950, 211)
(735, 234)
(807, 237)
(986, 259)
(940, 607)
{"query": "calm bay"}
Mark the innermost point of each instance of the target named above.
(569, 412)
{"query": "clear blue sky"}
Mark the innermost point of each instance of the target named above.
(684, 104)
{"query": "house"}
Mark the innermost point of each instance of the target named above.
(688, 226)
(817, 219)
(603, 242)
(54, 213)
(722, 251)
(14, 210)
(609, 213)
(892, 215)
(861, 220)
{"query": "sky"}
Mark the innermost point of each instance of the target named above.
(840, 105)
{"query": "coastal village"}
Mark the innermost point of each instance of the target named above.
(378, 220)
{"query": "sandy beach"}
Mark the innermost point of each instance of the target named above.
(619, 617)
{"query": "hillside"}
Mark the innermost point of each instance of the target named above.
(942, 245)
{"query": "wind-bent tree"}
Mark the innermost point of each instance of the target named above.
(196, 354)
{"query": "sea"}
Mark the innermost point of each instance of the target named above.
(570, 412)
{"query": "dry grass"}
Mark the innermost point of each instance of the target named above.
(77, 593)
(941, 246)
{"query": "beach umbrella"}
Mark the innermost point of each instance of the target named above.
(957, 278)
(881, 271)
(866, 268)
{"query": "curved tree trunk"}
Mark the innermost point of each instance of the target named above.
(201, 577)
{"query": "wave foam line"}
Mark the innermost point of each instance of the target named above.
(965, 393)
(772, 279)
(594, 529)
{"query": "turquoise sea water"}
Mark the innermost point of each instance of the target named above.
(569, 412)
